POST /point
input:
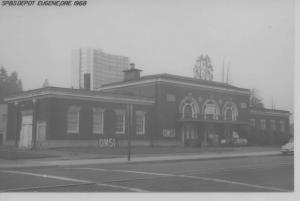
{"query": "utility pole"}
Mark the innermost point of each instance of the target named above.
(228, 73)
(34, 122)
(273, 104)
(223, 72)
(17, 126)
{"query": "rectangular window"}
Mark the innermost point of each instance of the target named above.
(252, 121)
(98, 120)
(140, 123)
(273, 124)
(120, 121)
(73, 120)
(263, 124)
(282, 126)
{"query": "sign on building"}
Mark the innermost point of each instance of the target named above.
(107, 142)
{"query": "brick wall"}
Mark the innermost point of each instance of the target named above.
(54, 112)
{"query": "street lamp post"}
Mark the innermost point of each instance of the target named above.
(17, 123)
(129, 112)
(34, 123)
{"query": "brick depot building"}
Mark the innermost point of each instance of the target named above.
(157, 110)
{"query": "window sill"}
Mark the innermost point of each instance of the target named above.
(73, 133)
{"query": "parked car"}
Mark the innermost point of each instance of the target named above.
(288, 148)
(240, 142)
(225, 142)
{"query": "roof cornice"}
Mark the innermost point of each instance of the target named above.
(170, 81)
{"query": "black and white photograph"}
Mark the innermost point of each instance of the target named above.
(113, 97)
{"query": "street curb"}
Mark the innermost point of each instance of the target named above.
(137, 160)
(203, 159)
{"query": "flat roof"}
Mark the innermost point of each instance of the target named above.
(271, 112)
(79, 94)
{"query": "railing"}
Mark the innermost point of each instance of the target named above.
(203, 117)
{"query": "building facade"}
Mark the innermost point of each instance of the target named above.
(269, 126)
(190, 111)
(96, 68)
(52, 116)
(163, 109)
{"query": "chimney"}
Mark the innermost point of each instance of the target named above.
(87, 81)
(132, 73)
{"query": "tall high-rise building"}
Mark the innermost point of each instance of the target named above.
(92, 68)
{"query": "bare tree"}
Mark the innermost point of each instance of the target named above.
(46, 83)
(255, 100)
(203, 68)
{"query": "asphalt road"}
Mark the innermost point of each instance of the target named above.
(250, 174)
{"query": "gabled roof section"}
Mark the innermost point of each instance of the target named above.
(194, 80)
(81, 94)
(178, 79)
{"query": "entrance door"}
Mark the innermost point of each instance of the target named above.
(41, 133)
(189, 135)
(25, 140)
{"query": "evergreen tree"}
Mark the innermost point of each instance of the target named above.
(3, 75)
(8, 84)
(255, 100)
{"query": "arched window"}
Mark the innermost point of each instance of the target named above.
(211, 110)
(228, 114)
(188, 111)
(230, 111)
(189, 108)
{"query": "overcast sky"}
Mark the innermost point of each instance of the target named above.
(256, 37)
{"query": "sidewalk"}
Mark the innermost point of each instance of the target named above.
(85, 159)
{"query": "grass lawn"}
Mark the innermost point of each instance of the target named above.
(22, 154)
